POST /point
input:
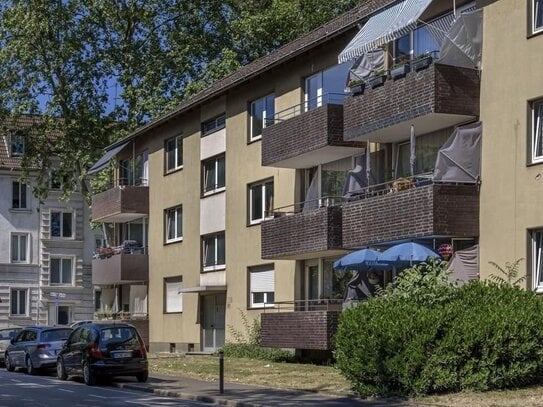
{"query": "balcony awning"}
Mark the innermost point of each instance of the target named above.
(106, 158)
(388, 25)
(203, 289)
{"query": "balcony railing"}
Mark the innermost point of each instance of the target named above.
(325, 304)
(311, 104)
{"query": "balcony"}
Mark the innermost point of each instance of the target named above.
(412, 211)
(302, 139)
(120, 268)
(120, 204)
(304, 234)
(313, 329)
(431, 99)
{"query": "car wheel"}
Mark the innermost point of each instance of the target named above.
(30, 369)
(61, 370)
(7, 362)
(88, 377)
(142, 377)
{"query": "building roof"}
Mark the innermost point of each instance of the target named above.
(21, 122)
(336, 27)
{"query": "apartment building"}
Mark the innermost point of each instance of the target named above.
(511, 110)
(255, 186)
(45, 262)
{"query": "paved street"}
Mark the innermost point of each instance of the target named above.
(20, 389)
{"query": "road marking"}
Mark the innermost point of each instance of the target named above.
(100, 397)
(15, 380)
(67, 391)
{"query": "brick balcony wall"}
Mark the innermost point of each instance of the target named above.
(436, 89)
(444, 210)
(304, 133)
(303, 232)
(120, 199)
(299, 330)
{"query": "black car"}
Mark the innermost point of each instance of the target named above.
(103, 349)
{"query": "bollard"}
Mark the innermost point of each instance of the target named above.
(221, 372)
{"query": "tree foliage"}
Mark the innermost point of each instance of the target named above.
(94, 70)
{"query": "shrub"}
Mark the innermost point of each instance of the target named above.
(484, 336)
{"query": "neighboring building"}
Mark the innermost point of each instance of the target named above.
(45, 261)
(512, 113)
(247, 202)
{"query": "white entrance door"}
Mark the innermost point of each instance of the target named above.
(213, 315)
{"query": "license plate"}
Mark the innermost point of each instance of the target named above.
(121, 355)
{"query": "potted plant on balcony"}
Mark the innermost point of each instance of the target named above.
(422, 61)
(378, 78)
(357, 86)
(400, 69)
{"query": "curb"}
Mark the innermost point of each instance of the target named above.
(185, 396)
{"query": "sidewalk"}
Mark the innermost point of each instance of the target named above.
(242, 395)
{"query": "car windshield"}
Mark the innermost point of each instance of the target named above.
(8, 333)
(55, 335)
(118, 335)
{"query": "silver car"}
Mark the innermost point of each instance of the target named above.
(35, 348)
(6, 335)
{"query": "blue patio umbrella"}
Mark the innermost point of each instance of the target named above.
(359, 260)
(406, 253)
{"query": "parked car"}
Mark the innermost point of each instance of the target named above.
(103, 349)
(75, 324)
(6, 335)
(35, 348)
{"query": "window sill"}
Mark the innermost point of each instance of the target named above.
(19, 316)
(172, 171)
(534, 34)
(254, 139)
(261, 306)
(218, 267)
(19, 263)
(213, 192)
(61, 238)
(172, 312)
(172, 241)
(258, 221)
(20, 210)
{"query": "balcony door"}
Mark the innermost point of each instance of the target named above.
(213, 321)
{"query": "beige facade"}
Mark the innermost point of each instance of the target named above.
(512, 188)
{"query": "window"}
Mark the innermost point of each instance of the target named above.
(61, 224)
(261, 286)
(19, 248)
(537, 16)
(173, 153)
(537, 260)
(328, 85)
(132, 170)
(262, 112)
(260, 201)
(173, 297)
(214, 125)
(174, 224)
(61, 271)
(427, 148)
(18, 195)
(213, 249)
(537, 127)
(17, 144)
(18, 301)
(214, 175)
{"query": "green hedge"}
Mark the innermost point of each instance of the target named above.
(252, 351)
(483, 337)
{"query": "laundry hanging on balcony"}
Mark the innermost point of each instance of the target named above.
(459, 159)
(463, 42)
(388, 25)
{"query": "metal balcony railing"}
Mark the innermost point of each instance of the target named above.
(311, 104)
(325, 304)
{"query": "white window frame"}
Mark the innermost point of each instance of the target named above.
(72, 271)
(252, 272)
(204, 175)
(16, 138)
(535, 4)
(536, 131)
(177, 153)
(176, 211)
(26, 249)
(536, 238)
(15, 292)
(319, 76)
(22, 191)
(62, 212)
(218, 123)
(172, 284)
(215, 266)
(264, 185)
(265, 116)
